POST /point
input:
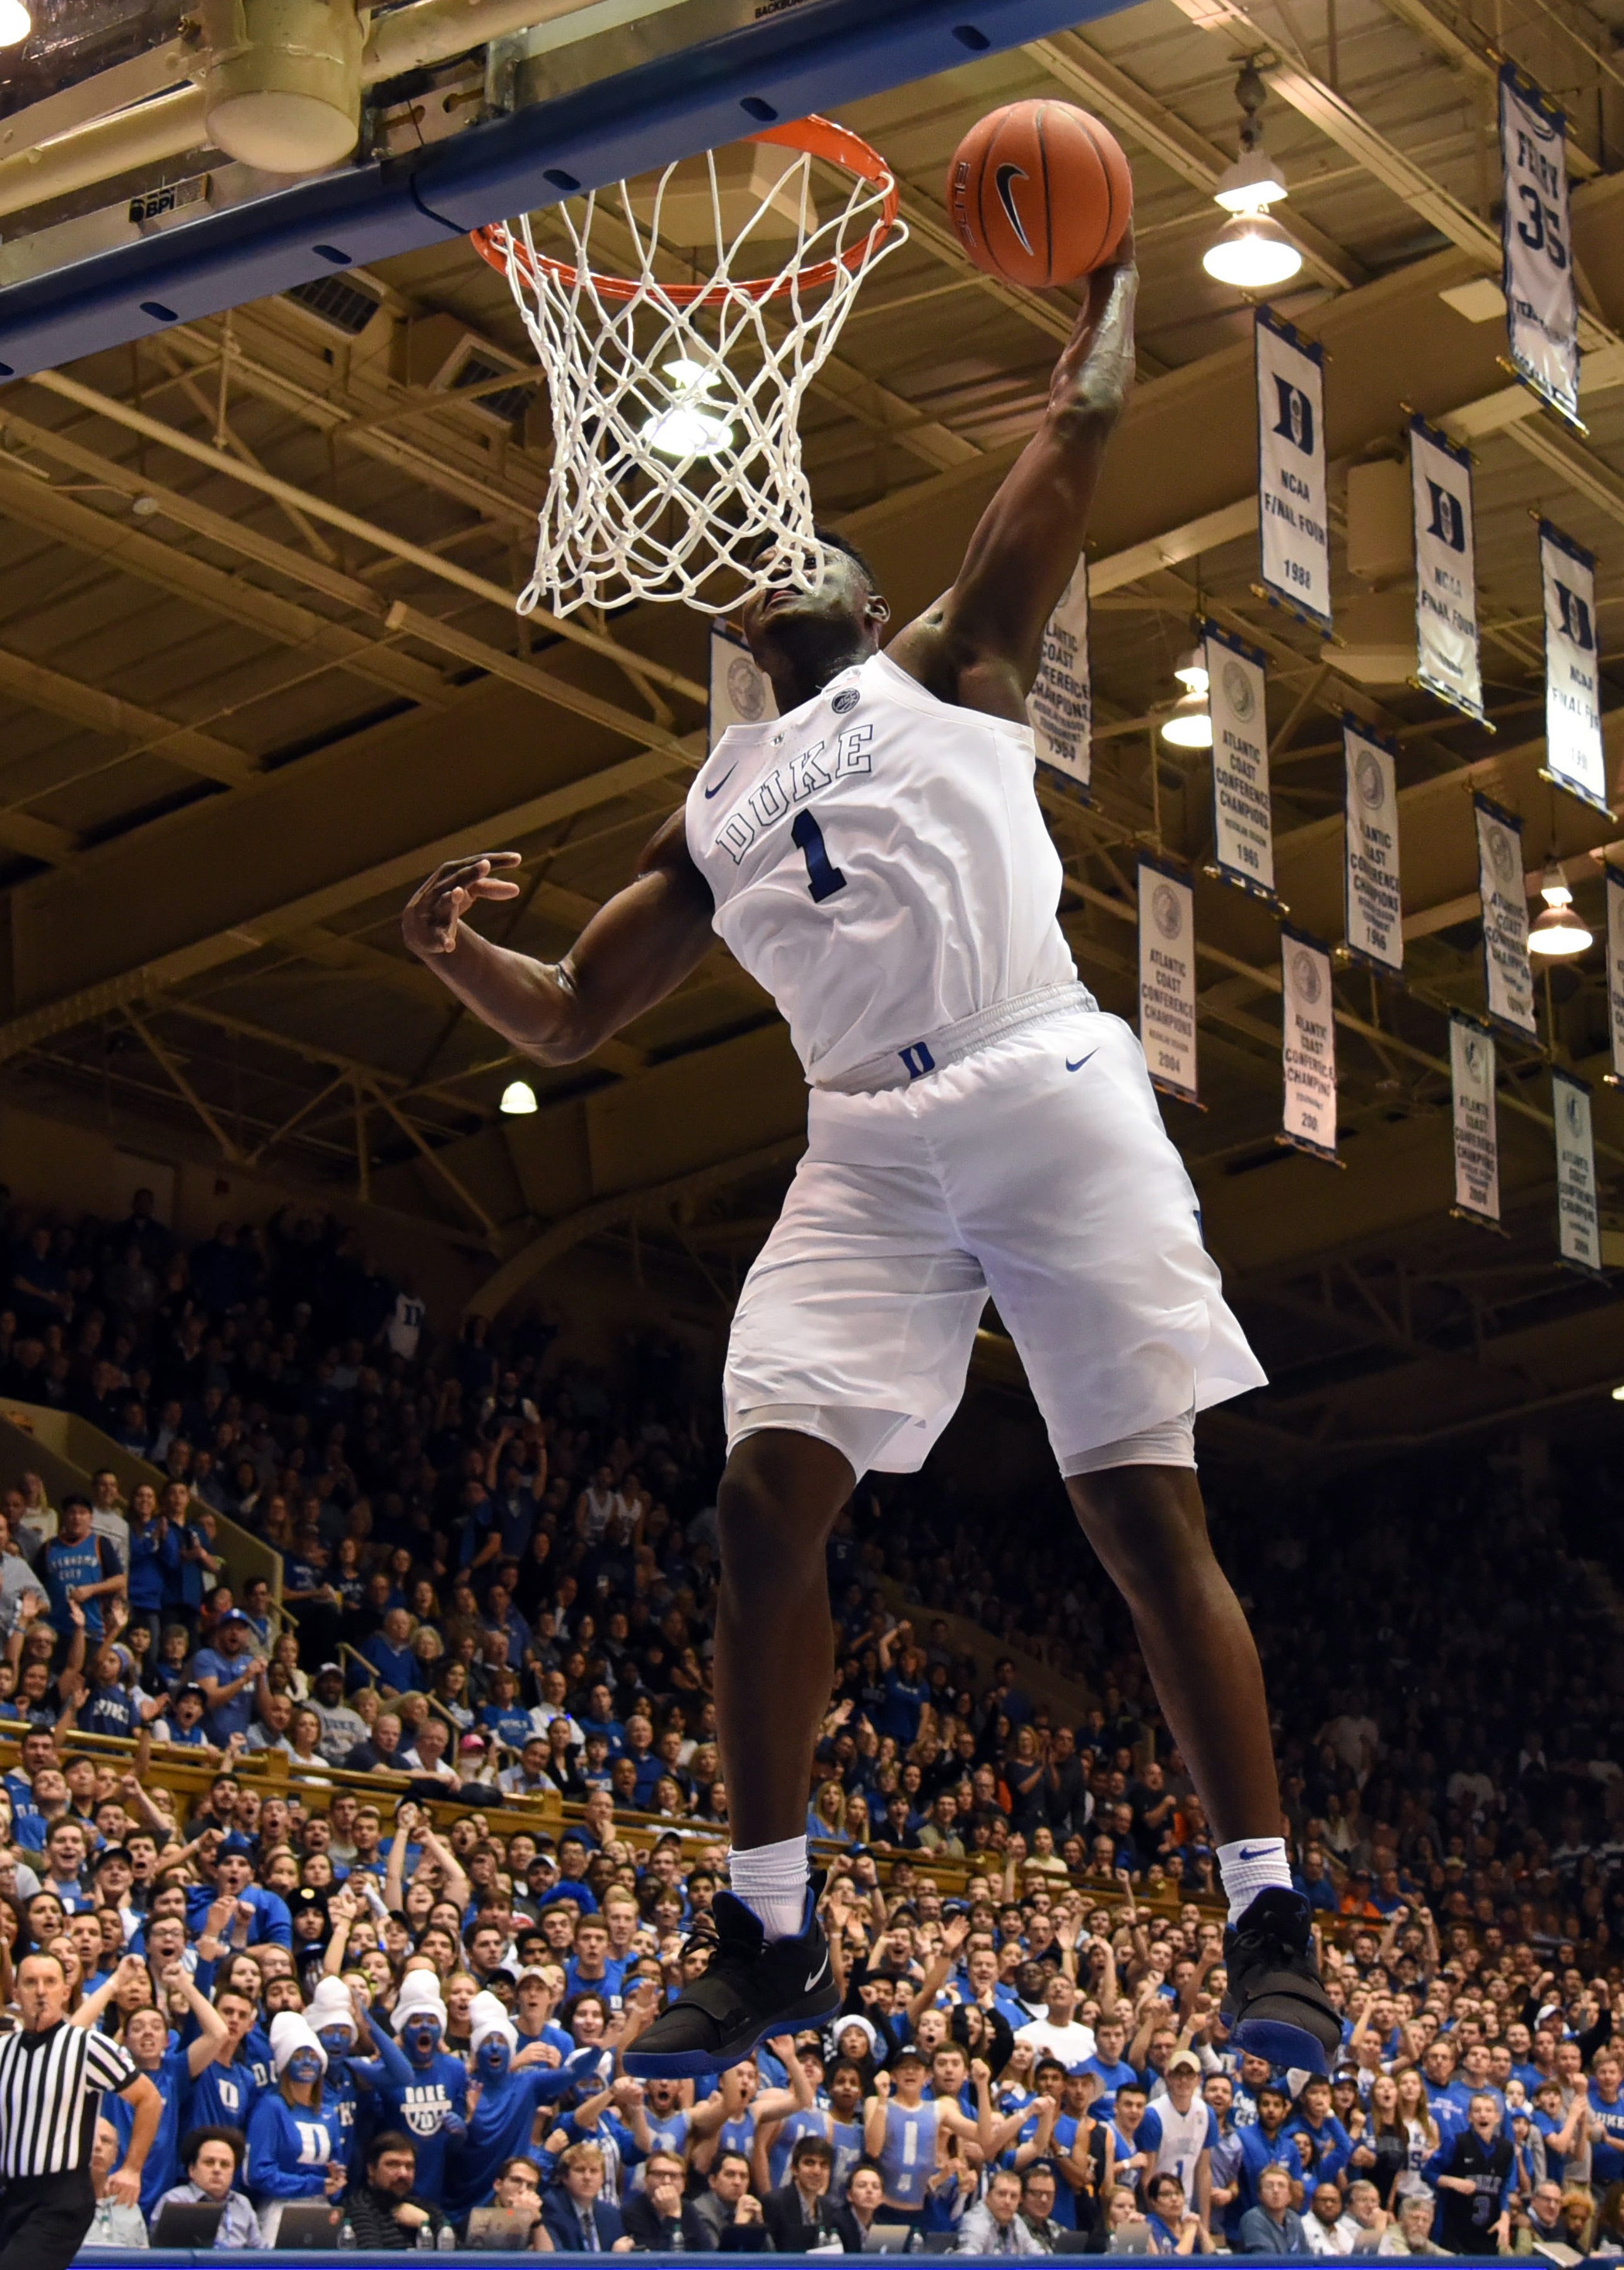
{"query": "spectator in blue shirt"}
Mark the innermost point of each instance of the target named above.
(391, 1654)
(227, 1673)
(81, 1568)
(1273, 2226)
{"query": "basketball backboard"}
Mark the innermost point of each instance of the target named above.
(578, 97)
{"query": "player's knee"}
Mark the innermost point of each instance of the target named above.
(778, 1500)
(1148, 1525)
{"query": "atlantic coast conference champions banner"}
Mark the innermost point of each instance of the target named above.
(1446, 577)
(1477, 1134)
(1375, 914)
(1293, 524)
(1507, 974)
(740, 695)
(1307, 1045)
(1061, 703)
(1242, 818)
(1168, 978)
(1615, 966)
(1542, 304)
(1578, 1213)
(1574, 751)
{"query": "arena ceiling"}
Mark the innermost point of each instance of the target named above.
(257, 675)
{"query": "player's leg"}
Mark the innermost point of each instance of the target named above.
(1148, 1525)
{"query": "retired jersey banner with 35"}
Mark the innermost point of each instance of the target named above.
(1542, 306)
(1578, 1213)
(1061, 703)
(1293, 523)
(1168, 978)
(1446, 579)
(1477, 1136)
(1574, 751)
(1615, 965)
(1308, 1044)
(1375, 919)
(1507, 974)
(1242, 821)
(740, 695)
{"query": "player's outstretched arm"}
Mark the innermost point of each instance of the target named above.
(633, 952)
(982, 644)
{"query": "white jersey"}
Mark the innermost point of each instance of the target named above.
(879, 864)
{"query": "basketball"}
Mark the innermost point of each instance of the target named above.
(1039, 193)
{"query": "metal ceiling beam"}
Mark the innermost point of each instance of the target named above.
(1465, 48)
(98, 711)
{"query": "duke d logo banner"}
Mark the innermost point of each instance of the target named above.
(1307, 1045)
(1508, 977)
(1573, 753)
(1446, 601)
(1168, 978)
(1061, 704)
(1542, 306)
(1293, 523)
(1374, 917)
(1477, 1136)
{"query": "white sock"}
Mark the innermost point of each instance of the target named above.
(771, 1880)
(1251, 1865)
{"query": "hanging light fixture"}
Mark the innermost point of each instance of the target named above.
(1251, 251)
(518, 1100)
(1558, 933)
(15, 23)
(1189, 725)
(692, 425)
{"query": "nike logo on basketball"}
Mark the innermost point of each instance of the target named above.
(1003, 181)
(817, 1973)
(1081, 1061)
(722, 783)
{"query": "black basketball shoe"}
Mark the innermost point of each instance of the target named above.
(751, 1992)
(1276, 2006)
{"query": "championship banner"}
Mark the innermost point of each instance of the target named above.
(1573, 753)
(1242, 821)
(1446, 580)
(1374, 915)
(1477, 1137)
(1542, 306)
(1293, 523)
(1578, 1213)
(1507, 974)
(1307, 1045)
(740, 695)
(1168, 978)
(1061, 703)
(1615, 965)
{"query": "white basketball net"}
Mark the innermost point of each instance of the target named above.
(675, 396)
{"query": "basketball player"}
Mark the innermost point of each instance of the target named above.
(875, 856)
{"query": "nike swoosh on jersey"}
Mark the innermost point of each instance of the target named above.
(722, 783)
(1003, 180)
(1081, 1061)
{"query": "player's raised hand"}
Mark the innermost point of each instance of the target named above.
(435, 907)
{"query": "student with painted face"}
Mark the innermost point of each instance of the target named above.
(295, 2149)
(511, 2084)
(431, 2105)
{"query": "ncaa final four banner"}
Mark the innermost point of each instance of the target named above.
(1168, 978)
(1307, 1045)
(1293, 524)
(1061, 703)
(1446, 578)
(1374, 915)
(1615, 966)
(1578, 1213)
(1574, 754)
(1477, 1134)
(1542, 304)
(1243, 815)
(1507, 974)
(740, 695)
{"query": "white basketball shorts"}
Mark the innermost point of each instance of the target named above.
(1035, 1170)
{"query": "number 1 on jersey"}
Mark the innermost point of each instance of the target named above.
(823, 878)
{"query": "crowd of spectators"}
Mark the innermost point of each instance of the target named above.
(402, 2006)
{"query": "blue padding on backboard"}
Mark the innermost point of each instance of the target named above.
(815, 56)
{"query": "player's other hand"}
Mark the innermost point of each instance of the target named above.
(124, 2186)
(435, 907)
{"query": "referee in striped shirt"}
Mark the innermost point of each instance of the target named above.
(52, 2076)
